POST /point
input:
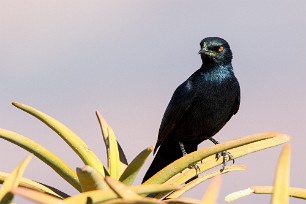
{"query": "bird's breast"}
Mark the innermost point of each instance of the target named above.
(210, 109)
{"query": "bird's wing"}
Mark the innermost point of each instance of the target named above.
(181, 100)
(236, 105)
(237, 102)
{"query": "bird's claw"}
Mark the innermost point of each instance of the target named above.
(196, 167)
(227, 156)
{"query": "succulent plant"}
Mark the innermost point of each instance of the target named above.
(113, 183)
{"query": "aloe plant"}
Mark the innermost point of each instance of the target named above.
(281, 190)
(113, 183)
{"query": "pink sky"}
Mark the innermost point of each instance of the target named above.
(125, 59)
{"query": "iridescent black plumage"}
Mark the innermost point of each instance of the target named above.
(200, 106)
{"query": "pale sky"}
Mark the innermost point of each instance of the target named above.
(125, 59)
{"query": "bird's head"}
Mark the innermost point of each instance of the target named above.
(215, 50)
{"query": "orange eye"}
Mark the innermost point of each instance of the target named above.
(220, 49)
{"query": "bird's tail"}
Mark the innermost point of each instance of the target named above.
(168, 152)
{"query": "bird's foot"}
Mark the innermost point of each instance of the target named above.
(227, 156)
(224, 154)
(196, 167)
(198, 170)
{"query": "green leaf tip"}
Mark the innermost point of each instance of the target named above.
(73, 140)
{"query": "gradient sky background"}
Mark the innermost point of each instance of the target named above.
(125, 59)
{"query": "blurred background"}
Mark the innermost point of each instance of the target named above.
(125, 59)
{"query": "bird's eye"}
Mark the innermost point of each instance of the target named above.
(220, 49)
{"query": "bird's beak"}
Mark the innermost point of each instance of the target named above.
(204, 51)
(207, 52)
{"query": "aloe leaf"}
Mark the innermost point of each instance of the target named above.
(98, 196)
(75, 142)
(130, 173)
(293, 192)
(211, 194)
(114, 159)
(252, 142)
(203, 178)
(37, 196)
(210, 162)
(183, 201)
(121, 190)
(282, 178)
(135, 201)
(43, 154)
(12, 181)
(112, 149)
(27, 183)
(238, 194)
(90, 179)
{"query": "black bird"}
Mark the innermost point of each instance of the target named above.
(199, 107)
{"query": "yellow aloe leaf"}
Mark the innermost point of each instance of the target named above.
(135, 201)
(12, 181)
(43, 154)
(105, 129)
(37, 196)
(114, 159)
(211, 193)
(130, 173)
(199, 180)
(154, 188)
(74, 141)
(238, 194)
(120, 189)
(183, 201)
(237, 147)
(98, 196)
(90, 179)
(281, 181)
(293, 192)
(211, 162)
(27, 183)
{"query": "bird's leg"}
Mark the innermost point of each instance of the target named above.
(223, 154)
(196, 166)
(182, 148)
